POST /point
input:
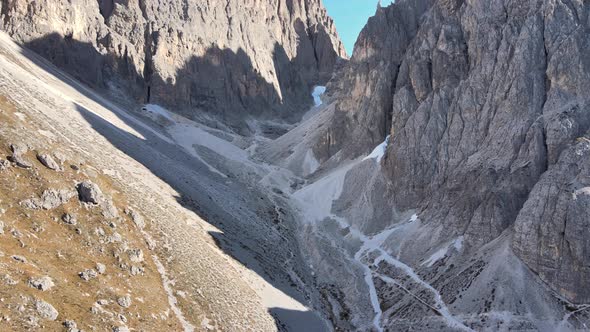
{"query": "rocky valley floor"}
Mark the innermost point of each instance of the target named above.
(201, 229)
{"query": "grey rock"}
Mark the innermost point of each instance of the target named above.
(89, 192)
(69, 219)
(20, 259)
(552, 231)
(42, 283)
(124, 301)
(1, 227)
(121, 329)
(48, 161)
(20, 161)
(4, 165)
(71, 326)
(50, 199)
(136, 217)
(46, 310)
(18, 152)
(102, 302)
(135, 255)
(101, 268)
(18, 149)
(109, 210)
(88, 274)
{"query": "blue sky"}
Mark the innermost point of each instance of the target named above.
(350, 17)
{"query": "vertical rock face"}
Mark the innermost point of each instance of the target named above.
(484, 101)
(229, 58)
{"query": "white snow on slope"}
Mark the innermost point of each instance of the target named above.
(442, 252)
(315, 200)
(156, 111)
(317, 93)
(189, 134)
(310, 164)
(379, 151)
(581, 192)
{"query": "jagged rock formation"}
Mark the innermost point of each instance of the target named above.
(228, 58)
(486, 103)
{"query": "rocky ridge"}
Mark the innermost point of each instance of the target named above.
(487, 110)
(258, 57)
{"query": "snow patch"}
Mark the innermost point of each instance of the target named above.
(441, 253)
(154, 111)
(310, 164)
(316, 199)
(317, 93)
(581, 192)
(379, 151)
(458, 243)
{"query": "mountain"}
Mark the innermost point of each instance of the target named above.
(166, 168)
(485, 110)
(226, 58)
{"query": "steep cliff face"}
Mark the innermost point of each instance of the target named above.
(229, 58)
(486, 106)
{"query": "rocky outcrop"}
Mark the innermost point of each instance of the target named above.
(481, 99)
(228, 58)
(551, 231)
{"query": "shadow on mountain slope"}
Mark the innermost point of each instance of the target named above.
(243, 214)
(221, 82)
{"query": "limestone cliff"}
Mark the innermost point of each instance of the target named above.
(229, 58)
(486, 103)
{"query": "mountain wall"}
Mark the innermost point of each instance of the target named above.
(487, 108)
(229, 58)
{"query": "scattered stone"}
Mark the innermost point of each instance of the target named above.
(102, 302)
(124, 301)
(89, 192)
(135, 255)
(18, 151)
(115, 238)
(99, 231)
(121, 329)
(46, 310)
(136, 270)
(50, 199)
(109, 210)
(32, 321)
(1, 227)
(69, 219)
(150, 242)
(20, 161)
(8, 280)
(71, 326)
(19, 148)
(18, 258)
(136, 217)
(42, 283)
(101, 268)
(61, 158)
(88, 274)
(48, 161)
(4, 165)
